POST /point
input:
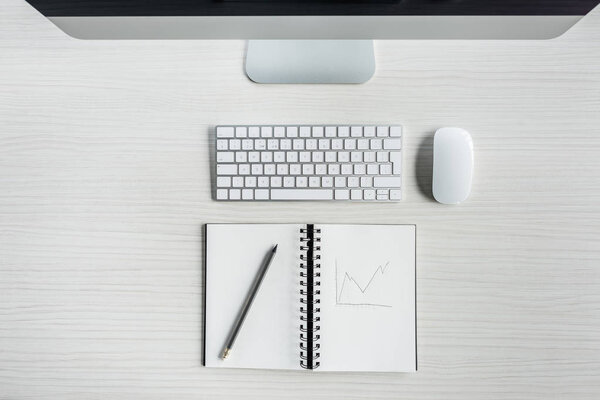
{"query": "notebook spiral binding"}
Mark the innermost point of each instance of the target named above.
(309, 297)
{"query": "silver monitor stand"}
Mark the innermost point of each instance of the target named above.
(310, 61)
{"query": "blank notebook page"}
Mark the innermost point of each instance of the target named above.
(269, 336)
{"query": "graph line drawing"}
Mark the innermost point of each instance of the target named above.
(350, 281)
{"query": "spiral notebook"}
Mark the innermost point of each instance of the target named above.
(335, 298)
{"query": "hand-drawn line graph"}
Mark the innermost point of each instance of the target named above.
(350, 285)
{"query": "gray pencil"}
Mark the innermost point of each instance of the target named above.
(248, 302)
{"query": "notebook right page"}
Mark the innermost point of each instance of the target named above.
(367, 298)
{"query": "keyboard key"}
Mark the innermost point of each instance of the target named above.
(369, 194)
(222, 194)
(337, 144)
(360, 169)
(342, 194)
(376, 144)
(279, 132)
(305, 131)
(223, 181)
(339, 181)
(241, 156)
(308, 169)
(260, 144)
(225, 156)
(278, 156)
(347, 169)
(266, 157)
(343, 156)
(263, 181)
(270, 169)
(301, 194)
(343, 131)
(254, 132)
(282, 169)
(321, 169)
(317, 131)
(304, 156)
(247, 194)
(285, 144)
(237, 182)
(327, 181)
(257, 169)
(385, 169)
(295, 169)
(366, 182)
(266, 132)
(314, 181)
(311, 144)
(330, 156)
(395, 195)
(241, 132)
(356, 194)
(235, 144)
(247, 144)
(372, 169)
(250, 181)
(396, 159)
(292, 156)
(330, 131)
(383, 156)
(353, 181)
(222, 144)
(244, 169)
(369, 156)
(276, 181)
(382, 131)
(387, 181)
(273, 144)
(395, 131)
(333, 169)
(261, 194)
(392, 144)
(301, 181)
(318, 156)
(356, 131)
(369, 131)
(227, 169)
(225, 132)
(235, 194)
(350, 144)
(291, 132)
(298, 144)
(324, 144)
(356, 156)
(362, 144)
(289, 181)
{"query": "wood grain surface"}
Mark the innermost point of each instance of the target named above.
(105, 184)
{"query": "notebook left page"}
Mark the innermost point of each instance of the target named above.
(269, 337)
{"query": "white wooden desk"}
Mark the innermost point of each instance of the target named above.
(105, 185)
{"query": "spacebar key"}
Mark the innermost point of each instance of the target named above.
(301, 194)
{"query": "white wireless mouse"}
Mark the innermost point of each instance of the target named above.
(452, 165)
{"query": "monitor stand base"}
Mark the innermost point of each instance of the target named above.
(310, 61)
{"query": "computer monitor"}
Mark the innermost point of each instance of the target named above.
(313, 41)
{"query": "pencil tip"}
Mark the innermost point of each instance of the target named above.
(275, 248)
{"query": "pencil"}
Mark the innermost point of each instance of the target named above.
(248, 303)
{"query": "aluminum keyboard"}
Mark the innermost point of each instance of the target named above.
(360, 163)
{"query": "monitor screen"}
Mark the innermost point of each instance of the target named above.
(97, 8)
